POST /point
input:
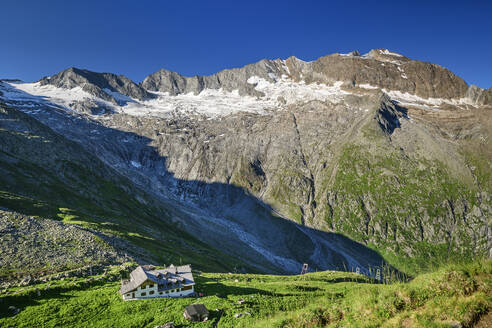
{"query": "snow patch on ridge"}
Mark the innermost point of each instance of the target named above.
(367, 86)
(290, 92)
(28, 96)
(406, 98)
(38, 92)
(210, 102)
(387, 52)
(120, 98)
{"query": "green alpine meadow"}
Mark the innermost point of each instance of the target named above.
(451, 295)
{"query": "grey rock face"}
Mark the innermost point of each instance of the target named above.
(291, 161)
(486, 97)
(264, 241)
(474, 93)
(379, 68)
(95, 83)
(479, 96)
(229, 79)
(422, 79)
(368, 167)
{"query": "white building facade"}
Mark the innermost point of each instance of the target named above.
(147, 282)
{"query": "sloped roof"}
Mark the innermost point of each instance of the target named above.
(137, 277)
(166, 277)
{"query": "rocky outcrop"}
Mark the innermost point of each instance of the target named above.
(479, 96)
(486, 97)
(389, 115)
(97, 84)
(32, 244)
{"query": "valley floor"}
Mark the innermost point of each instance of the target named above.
(455, 296)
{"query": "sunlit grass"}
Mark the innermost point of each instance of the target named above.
(453, 294)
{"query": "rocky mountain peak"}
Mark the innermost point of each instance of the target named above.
(101, 85)
(228, 79)
(380, 68)
(387, 55)
(383, 69)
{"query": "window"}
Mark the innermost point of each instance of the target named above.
(151, 292)
(127, 295)
(160, 293)
(187, 287)
(143, 294)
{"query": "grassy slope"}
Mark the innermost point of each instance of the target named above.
(450, 295)
(404, 193)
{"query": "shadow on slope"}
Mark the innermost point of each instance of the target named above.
(44, 174)
(221, 215)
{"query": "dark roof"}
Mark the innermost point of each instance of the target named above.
(196, 309)
(166, 277)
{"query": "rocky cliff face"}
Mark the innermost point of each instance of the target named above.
(380, 68)
(393, 153)
(101, 85)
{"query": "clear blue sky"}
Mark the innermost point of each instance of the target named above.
(136, 38)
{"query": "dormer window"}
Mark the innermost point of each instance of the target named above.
(166, 282)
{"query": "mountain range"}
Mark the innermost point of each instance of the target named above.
(349, 161)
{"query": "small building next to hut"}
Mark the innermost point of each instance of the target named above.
(196, 312)
(147, 282)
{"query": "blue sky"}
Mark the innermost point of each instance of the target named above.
(136, 38)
